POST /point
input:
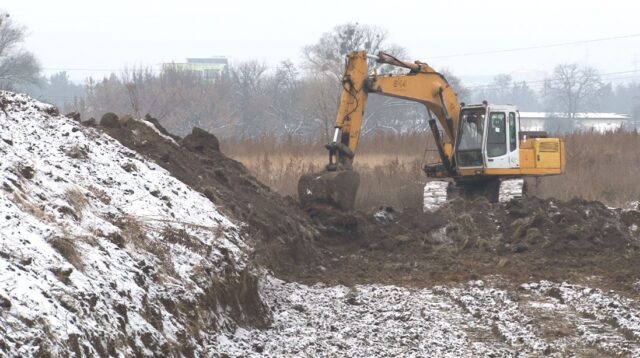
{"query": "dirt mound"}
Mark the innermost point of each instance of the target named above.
(544, 228)
(110, 119)
(201, 141)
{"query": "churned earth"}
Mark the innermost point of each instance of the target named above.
(490, 318)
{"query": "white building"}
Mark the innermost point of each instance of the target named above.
(558, 122)
(209, 67)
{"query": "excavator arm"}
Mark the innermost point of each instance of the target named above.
(348, 125)
(422, 84)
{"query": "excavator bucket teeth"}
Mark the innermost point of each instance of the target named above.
(335, 188)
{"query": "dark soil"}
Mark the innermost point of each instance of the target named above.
(530, 239)
(522, 240)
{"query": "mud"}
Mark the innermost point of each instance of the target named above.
(578, 240)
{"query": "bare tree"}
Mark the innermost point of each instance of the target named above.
(106, 95)
(572, 89)
(524, 97)
(504, 90)
(501, 86)
(17, 66)
(180, 99)
(456, 83)
(287, 106)
(321, 96)
(251, 98)
(56, 89)
(329, 53)
(325, 61)
(133, 81)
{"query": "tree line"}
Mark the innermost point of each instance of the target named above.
(249, 99)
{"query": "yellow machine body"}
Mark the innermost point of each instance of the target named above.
(538, 156)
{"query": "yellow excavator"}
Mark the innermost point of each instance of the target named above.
(481, 147)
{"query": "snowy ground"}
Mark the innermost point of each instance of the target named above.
(476, 319)
(102, 251)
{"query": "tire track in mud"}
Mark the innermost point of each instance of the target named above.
(546, 318)
(569, 331)
(585, 320)
(500, 311)
(480, 318)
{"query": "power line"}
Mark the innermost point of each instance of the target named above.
(464, 54)
(539, 86)
(96, 69)
(473, 88)
(494, 86)
(516, 49)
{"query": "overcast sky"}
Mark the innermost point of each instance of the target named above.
(109, 35)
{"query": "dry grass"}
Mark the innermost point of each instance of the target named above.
(603, 167)
(390, 166)
(134, 232)
(100, 194)
(66, 246)
(77, 200)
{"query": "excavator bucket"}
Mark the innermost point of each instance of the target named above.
(334, 188)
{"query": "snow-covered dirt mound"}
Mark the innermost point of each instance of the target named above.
(477, 319)
(103, 252)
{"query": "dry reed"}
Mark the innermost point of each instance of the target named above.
(603, 167)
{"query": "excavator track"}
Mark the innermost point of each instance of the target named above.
(438, 192)
(511, 189)
(435, 195)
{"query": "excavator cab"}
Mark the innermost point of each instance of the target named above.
(490, 144)
(492, 157)
(488, 137)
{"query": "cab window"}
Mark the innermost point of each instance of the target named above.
(469, 144)
(496, 135)
(513, 136)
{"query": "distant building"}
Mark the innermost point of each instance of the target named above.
(558, 122)
(210, 67)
